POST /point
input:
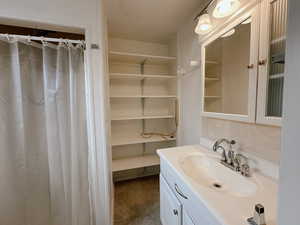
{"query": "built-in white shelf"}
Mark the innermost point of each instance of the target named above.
(119, 118)
(138, 140)
(143, 92)
(212, 97)
(209, 79)
(211, 62)
(139, 76)
(276, 76)
(135, 162)
(139, 58)
(144, 96)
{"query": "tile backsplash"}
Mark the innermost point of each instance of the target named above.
(259, 140)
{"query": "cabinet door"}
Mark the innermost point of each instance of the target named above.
(170, 207)
(229, 70)
(186, 220)
(271, 61)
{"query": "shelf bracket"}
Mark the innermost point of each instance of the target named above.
(142, 67)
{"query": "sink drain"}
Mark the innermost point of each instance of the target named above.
(216, 185)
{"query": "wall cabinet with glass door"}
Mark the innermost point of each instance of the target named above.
(243, 67)
(271, 61)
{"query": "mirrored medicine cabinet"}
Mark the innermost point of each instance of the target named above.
(243, 67)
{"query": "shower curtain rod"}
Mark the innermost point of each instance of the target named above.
(35, 38)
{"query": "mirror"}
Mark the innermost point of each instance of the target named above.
(226, 71)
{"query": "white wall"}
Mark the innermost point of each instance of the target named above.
(191, 109)
(73, 13)
(289, 187)
(74, 16)
(189, 85)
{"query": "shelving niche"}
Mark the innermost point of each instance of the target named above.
(143, 99)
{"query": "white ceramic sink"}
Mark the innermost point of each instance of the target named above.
(207, 171)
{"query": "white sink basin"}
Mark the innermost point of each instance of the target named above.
(207, 171)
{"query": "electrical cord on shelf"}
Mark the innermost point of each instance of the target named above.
(164, 135)
(151, 134)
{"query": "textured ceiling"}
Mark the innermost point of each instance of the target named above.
(148, 20)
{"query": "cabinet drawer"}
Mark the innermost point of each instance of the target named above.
(170, 207)
(193, 206)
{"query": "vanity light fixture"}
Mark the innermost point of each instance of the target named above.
(225, 8)
(229, 33)
(222, 9)
(204, 24)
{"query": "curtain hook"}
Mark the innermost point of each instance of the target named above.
(61, 42)
(11, 38)
(66, 43)
(83, 45)
(7, 37)
(29, 39)
(79, 45)
(69, 44)
(43, 41)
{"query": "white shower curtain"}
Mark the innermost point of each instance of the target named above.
(43, 135)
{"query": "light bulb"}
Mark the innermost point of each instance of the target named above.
(204, 24)
(225, 8)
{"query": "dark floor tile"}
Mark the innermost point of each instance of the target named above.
(137, 202)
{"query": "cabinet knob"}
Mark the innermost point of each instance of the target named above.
(175, 211)
(251, 66)
(262, 62)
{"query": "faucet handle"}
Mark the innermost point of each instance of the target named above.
(239, 157)
(231, 157)
(245, 170)
(232, 142)
(242, 164)
(236, 164)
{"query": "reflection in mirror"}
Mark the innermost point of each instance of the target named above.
(227, 71)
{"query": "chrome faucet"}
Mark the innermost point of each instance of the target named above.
(224, 156)
(237, 162)
(218, 145)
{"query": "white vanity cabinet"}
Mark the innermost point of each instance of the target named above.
(175, 197)
(188, 184)
(171, 209)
